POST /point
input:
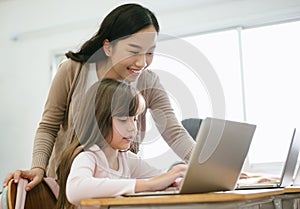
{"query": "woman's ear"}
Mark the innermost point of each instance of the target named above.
(107, 47)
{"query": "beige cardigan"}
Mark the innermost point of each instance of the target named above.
(64, 98)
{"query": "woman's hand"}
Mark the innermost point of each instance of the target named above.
(35, 176)
(163, 181)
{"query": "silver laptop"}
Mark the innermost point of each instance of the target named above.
(217, 158)
(296, 181)
(288, 170)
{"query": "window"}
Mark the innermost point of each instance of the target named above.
(266, 95)
(271, 65)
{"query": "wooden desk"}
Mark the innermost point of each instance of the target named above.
(262, 198)
(292, 189)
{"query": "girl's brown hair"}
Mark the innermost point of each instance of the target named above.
(105, 99)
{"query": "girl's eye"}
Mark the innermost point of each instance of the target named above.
(122, 119)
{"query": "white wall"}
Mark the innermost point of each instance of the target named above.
(31, 31)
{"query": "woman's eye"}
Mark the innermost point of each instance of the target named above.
(134, 52)
(150, 53)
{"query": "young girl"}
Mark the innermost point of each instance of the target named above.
(98, 163)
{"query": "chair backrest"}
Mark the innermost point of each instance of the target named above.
(192, 126)
(44, 195)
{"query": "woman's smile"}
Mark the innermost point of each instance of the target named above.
(134, 72)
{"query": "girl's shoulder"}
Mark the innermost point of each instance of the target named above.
(93, 151)
(92, 157)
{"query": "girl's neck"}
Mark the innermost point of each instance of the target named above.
(111, 156)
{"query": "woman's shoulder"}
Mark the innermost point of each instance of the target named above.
(147, 79)
(69, 65)
(68, 70)
(148, 75)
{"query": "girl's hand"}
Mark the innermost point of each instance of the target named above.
(163, 181)
(35, 176)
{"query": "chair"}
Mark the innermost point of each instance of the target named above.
(192, 126)
(44, 195)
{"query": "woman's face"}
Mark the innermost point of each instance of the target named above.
(124, 130)
(128, 57)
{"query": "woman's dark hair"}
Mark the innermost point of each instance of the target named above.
(121, 22)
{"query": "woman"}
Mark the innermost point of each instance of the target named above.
(122, 49)
(98, 163)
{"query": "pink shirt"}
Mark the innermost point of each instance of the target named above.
(90, 175)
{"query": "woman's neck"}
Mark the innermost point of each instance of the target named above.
(104, 70)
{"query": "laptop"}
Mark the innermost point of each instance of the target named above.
(288, 171)
(217, 158)
(296, 181)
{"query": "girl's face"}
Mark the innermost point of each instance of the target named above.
(128, 57)
(124, 130)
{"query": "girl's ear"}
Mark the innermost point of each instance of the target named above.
(107, 47)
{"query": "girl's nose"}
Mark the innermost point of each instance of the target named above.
(132, 126)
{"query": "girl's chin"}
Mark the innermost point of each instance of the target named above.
(125, 149)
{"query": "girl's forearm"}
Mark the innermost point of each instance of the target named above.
(143, 185)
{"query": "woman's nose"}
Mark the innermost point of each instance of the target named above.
(141, 61)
